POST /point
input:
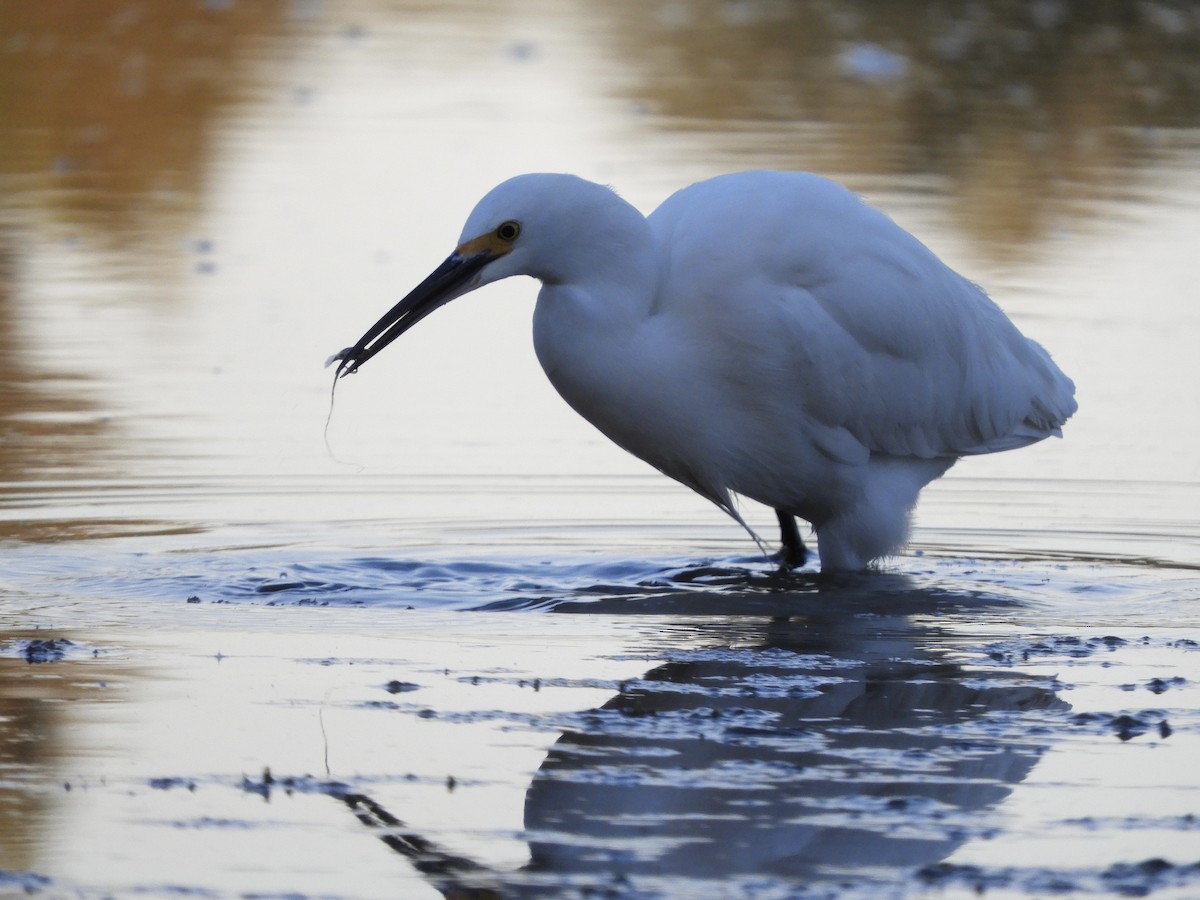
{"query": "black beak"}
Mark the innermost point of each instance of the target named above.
(443, 285)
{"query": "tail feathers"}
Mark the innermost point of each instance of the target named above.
(1048, 412)
(1021, 436)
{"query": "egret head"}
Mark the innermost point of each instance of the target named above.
(527, 225)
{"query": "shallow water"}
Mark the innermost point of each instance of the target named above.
(474, 645)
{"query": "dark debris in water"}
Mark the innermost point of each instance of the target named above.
(1069, 645)
(171, 783)
(204, 823)
(1162, 685)
(1185, 822)
(302, 601)
(1142, 878)
(1139, 879)
(1126, 726)
(40, 650)
(50, 650)
(23, 882)
(400, 687)
(266, 784)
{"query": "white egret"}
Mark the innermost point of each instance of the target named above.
(765, 334)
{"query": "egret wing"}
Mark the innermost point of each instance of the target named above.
(881, 343)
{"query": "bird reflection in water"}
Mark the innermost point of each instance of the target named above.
(837, 750)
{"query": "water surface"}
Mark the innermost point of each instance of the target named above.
(198, 206)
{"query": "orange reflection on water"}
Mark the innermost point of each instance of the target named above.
(110, 109)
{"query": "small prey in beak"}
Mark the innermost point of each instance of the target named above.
(453, 278)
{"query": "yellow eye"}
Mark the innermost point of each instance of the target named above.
(508, 231)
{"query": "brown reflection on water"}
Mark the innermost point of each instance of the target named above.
(108, 116)
(108, 107)
(1023, 109)
(45, 685)
(46, 428)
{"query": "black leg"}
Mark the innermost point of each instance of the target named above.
(794, 552)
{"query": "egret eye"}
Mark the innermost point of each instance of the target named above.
(508, 231)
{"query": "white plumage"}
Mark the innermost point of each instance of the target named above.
(766, 334)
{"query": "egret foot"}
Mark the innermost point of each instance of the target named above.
(794, 553)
